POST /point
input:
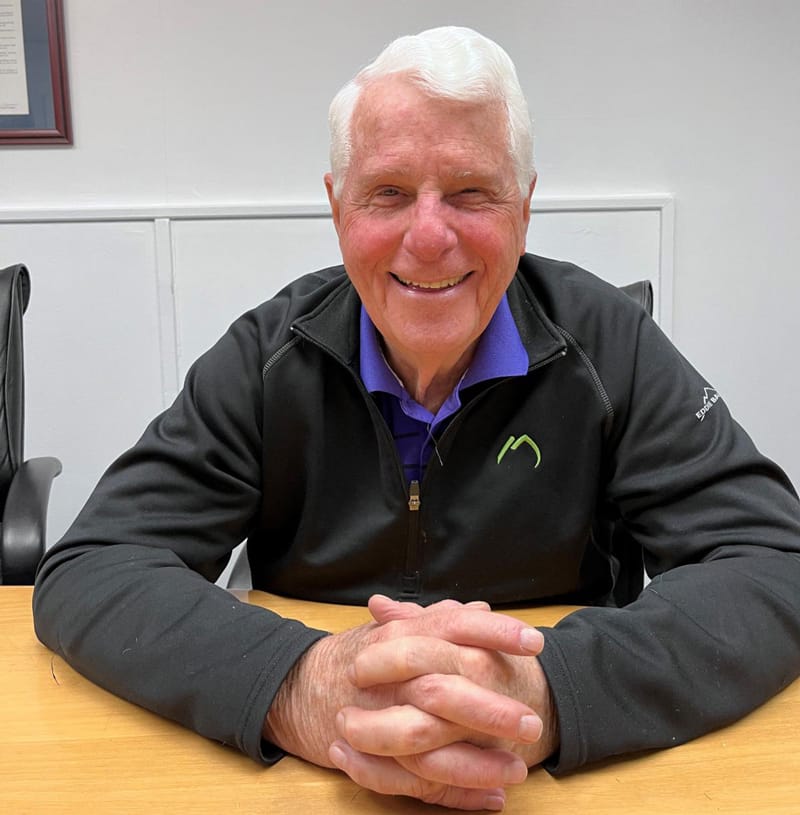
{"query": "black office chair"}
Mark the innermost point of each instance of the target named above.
(24, 485)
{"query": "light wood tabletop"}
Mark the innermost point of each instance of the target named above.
(67, 746)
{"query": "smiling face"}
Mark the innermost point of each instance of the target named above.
(431, 221)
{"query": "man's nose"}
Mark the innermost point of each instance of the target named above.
(429, 234)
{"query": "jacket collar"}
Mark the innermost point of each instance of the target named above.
(539, 334)
(334, 323)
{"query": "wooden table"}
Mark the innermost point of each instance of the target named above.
(67, 746)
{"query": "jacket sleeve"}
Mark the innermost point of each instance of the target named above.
(125, 597)
(717, 630)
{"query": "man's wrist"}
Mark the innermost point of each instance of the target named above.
(276, 720)
(551, 735)
(540, 698)
(290, 723)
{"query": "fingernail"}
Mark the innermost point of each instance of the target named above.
(530, 728)
(337, 755)
(515, 772)
(495, 803)
(531, 640)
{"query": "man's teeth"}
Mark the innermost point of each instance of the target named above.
(439, 284)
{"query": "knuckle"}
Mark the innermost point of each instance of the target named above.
(417, 738)
(424, 788)
(430, 691)
(499, 719)
(475, 661)
(413, 658)
(360, 663)
(391, 630)
(449, 603)
(437, 794)
(379, 783)
(348, 730)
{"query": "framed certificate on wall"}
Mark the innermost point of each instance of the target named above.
(34, 98)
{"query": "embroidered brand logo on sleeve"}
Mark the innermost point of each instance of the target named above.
(514, 443)
(710, 398)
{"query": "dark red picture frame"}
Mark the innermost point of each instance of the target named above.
(43, 24)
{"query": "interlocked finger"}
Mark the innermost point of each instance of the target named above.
(458, 700)
(465, 765)
(384, 609)
(400, 730)
(387, 776)
(402, 659)
(473, 624)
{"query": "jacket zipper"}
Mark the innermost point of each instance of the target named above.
(413, 496)
(410, 581)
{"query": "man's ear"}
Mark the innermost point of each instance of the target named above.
(332, 200)
(526, 212)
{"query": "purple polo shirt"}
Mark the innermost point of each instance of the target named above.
(500, 353)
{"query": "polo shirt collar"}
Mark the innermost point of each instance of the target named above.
(333, 323)
(500, 353)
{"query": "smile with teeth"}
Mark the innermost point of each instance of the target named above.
(432, 285)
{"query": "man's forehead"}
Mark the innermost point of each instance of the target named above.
(378, 168)
(400, 131)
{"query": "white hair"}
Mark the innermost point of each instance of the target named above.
(449, 62)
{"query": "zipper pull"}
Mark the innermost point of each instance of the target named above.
(413, 496)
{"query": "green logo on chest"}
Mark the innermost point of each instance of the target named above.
(514, 443)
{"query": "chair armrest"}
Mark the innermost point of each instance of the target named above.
(25, 520)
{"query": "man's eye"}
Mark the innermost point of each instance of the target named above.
(388, 196)
(469, 192)
(469, 195)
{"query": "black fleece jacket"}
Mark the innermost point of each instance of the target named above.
(275, 440)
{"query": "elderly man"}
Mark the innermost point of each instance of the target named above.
(442, 423)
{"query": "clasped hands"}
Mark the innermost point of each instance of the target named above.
(447, 704)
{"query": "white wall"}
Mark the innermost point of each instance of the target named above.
(200, 103)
